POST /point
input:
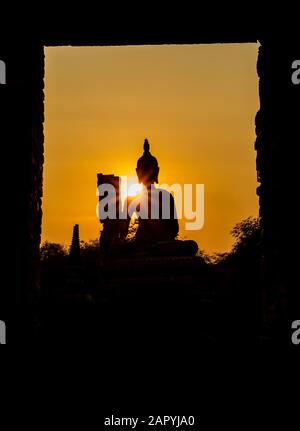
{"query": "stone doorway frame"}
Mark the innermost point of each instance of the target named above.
(22, 104)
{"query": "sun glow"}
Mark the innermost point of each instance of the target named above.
(129, 187)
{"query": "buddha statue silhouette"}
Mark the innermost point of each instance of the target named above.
(157, 219)
(156, 213)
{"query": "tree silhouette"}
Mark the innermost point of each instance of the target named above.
(247, 235)
(90, 252)
(51, 251)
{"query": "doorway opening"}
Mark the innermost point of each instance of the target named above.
(195, 104)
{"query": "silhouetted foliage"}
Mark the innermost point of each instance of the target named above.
(90, 251)
(207, 258)
(51, 251)
(247, 235)
(247, 245)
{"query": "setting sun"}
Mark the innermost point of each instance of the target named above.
(129, 187)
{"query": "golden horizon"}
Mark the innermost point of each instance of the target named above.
(195, 103)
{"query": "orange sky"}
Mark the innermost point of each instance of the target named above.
(196, 104)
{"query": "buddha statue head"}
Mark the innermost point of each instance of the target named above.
(147, 167)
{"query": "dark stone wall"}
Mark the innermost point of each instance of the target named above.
(21, 125)
(278, 131)
(22, 117)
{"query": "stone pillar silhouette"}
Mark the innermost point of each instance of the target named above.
(75, 246)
